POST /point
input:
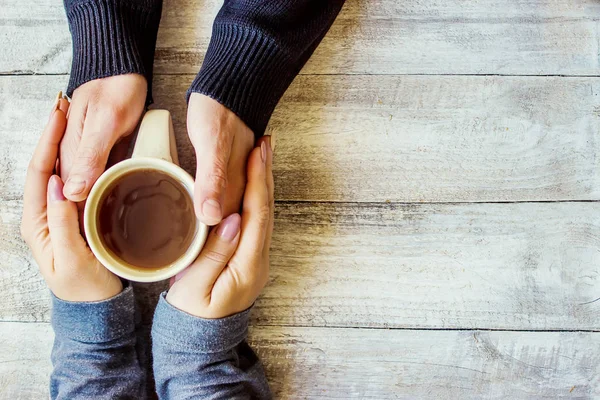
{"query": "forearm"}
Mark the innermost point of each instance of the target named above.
(197, 358)
(112, 37)
(256, 50)
(94, 353)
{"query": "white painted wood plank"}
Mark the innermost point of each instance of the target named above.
(488, 266)
(25, 360)
(386, 138)
(426, 138)
(526, 265)
(369, 37)
(313, 363)
(308, 363)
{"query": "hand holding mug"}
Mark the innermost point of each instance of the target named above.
(139, 218)
(222, 143)
(50, 225)
(103, 112)
(233, 266)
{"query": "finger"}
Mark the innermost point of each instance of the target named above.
(42, 164)
(213, 148)
(91, 157)
(60, 103)
(215, 255)
(63, 222)
(64, 105)
(256, 209)
(271, 191)
(212, 158)
(72, 138)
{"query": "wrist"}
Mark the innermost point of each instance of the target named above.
(201, 334)
(253, 94)
(95, 321)
(206, 113)
(112, 37)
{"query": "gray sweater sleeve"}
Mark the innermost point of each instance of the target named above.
(196, 358)
(94, 354)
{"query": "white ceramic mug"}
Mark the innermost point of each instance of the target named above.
(154, 149)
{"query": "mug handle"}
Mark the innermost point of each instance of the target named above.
(156, 137)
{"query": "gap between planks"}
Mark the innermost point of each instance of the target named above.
(449, 203)
(377, 328)
(33, 73)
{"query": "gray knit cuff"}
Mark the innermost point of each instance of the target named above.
(94, 322)
(175, 328)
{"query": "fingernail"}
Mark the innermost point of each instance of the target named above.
(229, 227)
(272, 137)
(269, 145)
(55, 190)
(56, 103)
(74, 186)
(211, 209)
(263, 151)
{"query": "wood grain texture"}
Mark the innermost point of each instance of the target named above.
(427, 138)
(525, 266)
(382, 183)
(25, 360)
(313, 363)
(533, 266)
(369, 37)
(386, 138)
(489, 266)
(438, 139)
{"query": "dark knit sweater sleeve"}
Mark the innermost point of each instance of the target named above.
(256, 49)
(112, 37)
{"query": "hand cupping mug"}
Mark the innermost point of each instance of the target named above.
(139, 217)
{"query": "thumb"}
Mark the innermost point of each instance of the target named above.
(90, 161)
(63, 221)
(212, 160)
(220, 245)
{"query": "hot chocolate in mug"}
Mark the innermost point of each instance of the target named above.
(139, 218)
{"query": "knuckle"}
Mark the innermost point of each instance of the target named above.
(69, 144)
(217, 177)
(238, 279)
(74, 130)
(90, 156)
(216, 256)
(263, 215)
(35, 167)
(112, 119)
(59, 222)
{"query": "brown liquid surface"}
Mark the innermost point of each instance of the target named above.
(147, 219)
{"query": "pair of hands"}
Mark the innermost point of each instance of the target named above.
(105, 112)
(226, 277)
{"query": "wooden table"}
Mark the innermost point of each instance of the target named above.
(437, 185)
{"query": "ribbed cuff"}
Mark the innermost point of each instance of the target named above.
(178, 329)
(94, 322)
(112, 37)
(245, 71)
